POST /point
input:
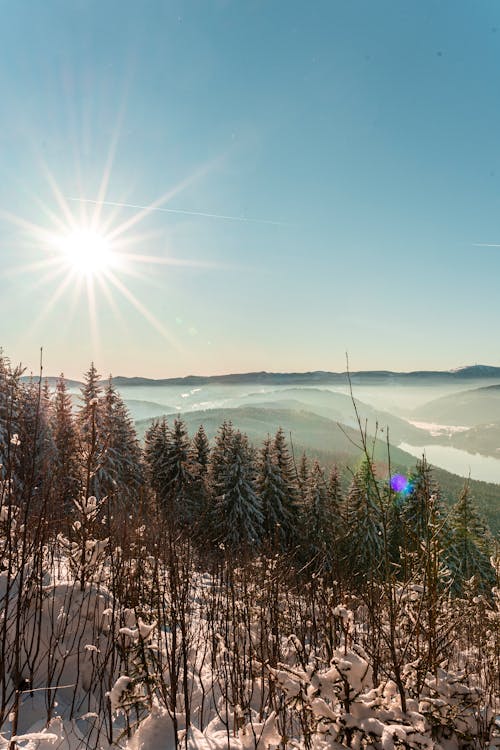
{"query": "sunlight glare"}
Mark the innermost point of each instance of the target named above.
(87, 252)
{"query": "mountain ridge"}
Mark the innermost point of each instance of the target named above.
(318, 376)
(470, 372)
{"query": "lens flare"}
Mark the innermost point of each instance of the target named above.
(400, 483)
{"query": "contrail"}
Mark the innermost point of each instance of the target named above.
(178, 211)
(485, 244)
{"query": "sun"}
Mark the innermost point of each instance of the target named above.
(87, 252)
(86, 247)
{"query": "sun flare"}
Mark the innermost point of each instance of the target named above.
(90, 249)
(87, 252)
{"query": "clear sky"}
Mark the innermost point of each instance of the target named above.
(355, 144)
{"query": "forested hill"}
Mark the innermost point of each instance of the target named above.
(475, 372)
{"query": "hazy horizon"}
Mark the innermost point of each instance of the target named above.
(139, 374)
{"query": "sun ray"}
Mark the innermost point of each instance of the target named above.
(194, 177)
(47, 277)
(92, 310)
(60, 199)
(142, 309)
(110, 299)
(101, 194)
(44, 312)
(30, 267)
(75, 298)
(33, 230)
(94, 251)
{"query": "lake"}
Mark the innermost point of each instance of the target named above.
(457, 461)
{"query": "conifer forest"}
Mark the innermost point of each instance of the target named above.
(181, 593)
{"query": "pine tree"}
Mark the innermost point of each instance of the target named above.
(36, 448)
(219, 458)
(470, 547)
(335, 497)
(238, 510)
(421, 516)
(120, 472)
(10, 389)
(91, 396)
(289, 482)
(319, 522)
(67, 482)
(416, 507)
(201, 449)
(363, 541)
(91, 434)
(157, 446)
(303, 476)
(182, 472)
(271, 493)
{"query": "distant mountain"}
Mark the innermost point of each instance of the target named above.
(52, 380)
(382, 377)
(473, 407)
(316, 377)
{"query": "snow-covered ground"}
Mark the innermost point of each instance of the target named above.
(216, 673)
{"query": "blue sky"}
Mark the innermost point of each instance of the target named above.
(362, 139)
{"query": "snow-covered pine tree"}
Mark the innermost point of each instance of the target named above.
(36, 447)
(303, 473)
(288, 477)
(335, 496)
(470, 546)
(422, 517)
(415, 505)
(217, 470)
(156, 451)
(271, 492)
(219, 457)
(318, 522)
(201, 449)
(10, 388)
(91, 442)
(238, 514)
(363, 541)
(91, 396)
(182, 478)
(121, 471)
(336, 502)
(200, 453)
(67, 480)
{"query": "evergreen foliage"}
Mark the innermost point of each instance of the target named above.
(237, 507)
(364, 539)
(201, 449)
(67, 481)
(318, 521)
(121, 466)
(470, 546)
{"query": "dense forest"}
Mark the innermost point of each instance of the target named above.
(230, 594)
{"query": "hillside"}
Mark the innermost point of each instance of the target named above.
(469, 408)
(483, 438)
(332, 444)
(339, 407)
